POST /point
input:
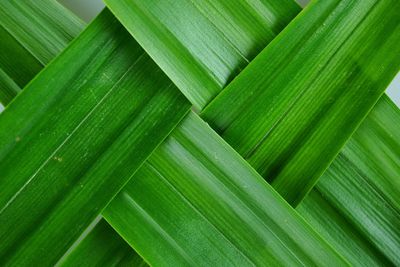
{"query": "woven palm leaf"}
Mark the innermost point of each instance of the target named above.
(200, 133)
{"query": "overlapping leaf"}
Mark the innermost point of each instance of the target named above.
(317, 75)
(196, 202)
(32, 33)
(202, 45)
(208, 9)
(71, 257)
(356, 203)
(58, 26)
(75, 136)
(101, 246)
(243, 135)
(307, 92)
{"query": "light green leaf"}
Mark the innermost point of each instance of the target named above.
(197, 202)
(75, 136)
(201, 45)
(303, 96)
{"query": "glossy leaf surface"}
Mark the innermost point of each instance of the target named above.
(201, 45)
(31, 33)
(355, 205)
(100, 245)
(196, 202)
(69, 144)
(303, 96)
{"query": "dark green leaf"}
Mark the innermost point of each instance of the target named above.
(31, 33)
(75, 136)
(356, 203)
(8, 88)
(301, 99)
(101, 246)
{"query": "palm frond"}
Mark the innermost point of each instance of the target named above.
(54, 160)
(220, 206)
(103, 112)
(202, 45)
(32, 33)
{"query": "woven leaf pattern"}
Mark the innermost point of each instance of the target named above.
(292, 159)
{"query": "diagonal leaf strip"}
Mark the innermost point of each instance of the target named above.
(8, 88)
(43, 28)
(325, 95)
(362, 187)
(50, 14)
(32, 33)
(57, 147)
(217, 201)
(204, 47)
(102, 246)
(341, 227)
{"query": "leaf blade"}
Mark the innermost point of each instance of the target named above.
(315, 99)
(32, 33)
(101, 246)
(224, 205)
(362, 187)
(84, 171)
(201, 64)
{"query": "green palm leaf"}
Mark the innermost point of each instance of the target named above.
(52, 147)
(216, 198)
(203, 56)
(357, 199)
(189, 204)
(286, 77)
(101, 246)
(32, 33)
(245, 122)
(318, 80)
(9, 89)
